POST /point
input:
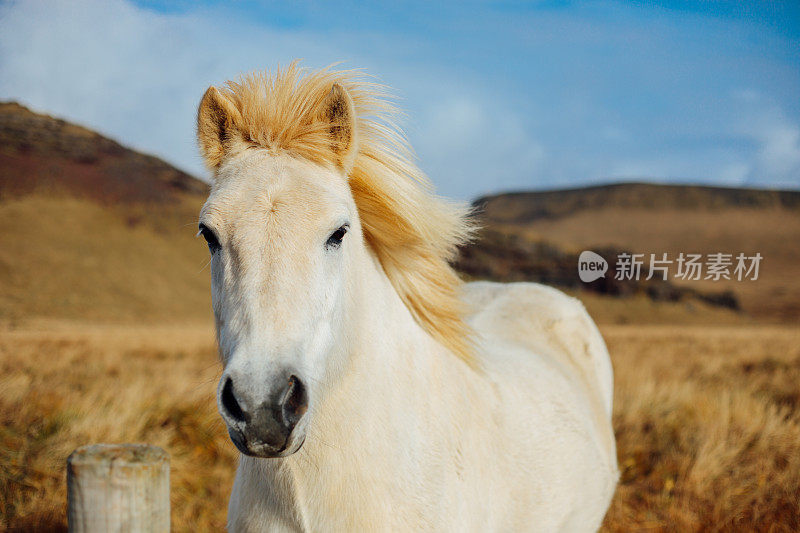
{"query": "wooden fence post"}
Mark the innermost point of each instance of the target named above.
(118, 488)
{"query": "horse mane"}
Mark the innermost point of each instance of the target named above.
(414, 233)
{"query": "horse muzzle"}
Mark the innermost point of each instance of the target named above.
(264, 421)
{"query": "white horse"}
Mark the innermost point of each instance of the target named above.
(367, 388)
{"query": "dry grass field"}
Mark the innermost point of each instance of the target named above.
(64, 385)
(708, 428)
(707, 421)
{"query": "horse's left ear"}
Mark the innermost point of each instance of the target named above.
(338, 112)
(218, 127)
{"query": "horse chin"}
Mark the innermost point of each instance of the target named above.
(266, 451)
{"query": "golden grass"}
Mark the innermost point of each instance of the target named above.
(66, 386)
(708, 428)
(707, 421)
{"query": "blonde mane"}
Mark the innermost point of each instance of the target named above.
(414, 233)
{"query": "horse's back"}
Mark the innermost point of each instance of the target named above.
(555, 374)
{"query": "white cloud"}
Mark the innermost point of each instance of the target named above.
(734, 174)
(471, 140)
(131, 73)
(455, 124)
(776, 159)
(768, 153)
(746, 95)
(538, 109)
(614, 134)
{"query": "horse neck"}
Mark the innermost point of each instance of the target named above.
(392, 363)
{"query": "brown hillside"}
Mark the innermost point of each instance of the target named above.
(39, 153)
(92, 229)
(648, 218)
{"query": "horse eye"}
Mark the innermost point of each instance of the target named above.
(210, 237)
(335, 240)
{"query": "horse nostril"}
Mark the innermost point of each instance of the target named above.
(229, 402)
(295, 403)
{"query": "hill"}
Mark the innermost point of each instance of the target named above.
(529, 206)
(41, 154)
(92, 229)
(654, 219)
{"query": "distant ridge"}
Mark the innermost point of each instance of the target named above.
(528, 206)
(42, 153)
(536, 236)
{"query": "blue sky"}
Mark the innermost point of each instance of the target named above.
(499, 96)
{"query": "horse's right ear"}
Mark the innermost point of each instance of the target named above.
(218, 127)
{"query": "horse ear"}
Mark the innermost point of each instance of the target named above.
(218, 127)
(338, 110)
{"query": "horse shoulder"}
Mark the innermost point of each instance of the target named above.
(542, 319)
